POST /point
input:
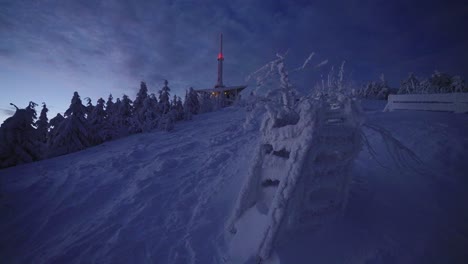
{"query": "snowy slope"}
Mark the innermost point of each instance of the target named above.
(165, 197)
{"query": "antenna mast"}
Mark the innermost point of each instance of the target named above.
(220, 63)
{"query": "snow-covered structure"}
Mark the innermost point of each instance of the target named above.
(299, 177)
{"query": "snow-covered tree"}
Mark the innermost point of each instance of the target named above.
(55, 122)
(141, 97)
(443, 83)
(73, 133)
(192, 104)
(458, 85)
(89, 107)
(139, 109)
(206, 104)
(167, 120)
(109, 105)
(123, 116)
(151, 113)
(410, 85)
(375, 90)
(164, 97)
(179, 109)
(98, 126)
(43, 124)
(18, 138)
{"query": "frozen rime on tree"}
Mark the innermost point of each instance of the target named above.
(410, 85)
(164, 96)
(73, 133)
(99, 131)
(291, 158)
(43, 124)
(280, 98)
(18, 138)
(375, 90)
(192, 104)
(436, 83)
(299, 177)
(138, 123)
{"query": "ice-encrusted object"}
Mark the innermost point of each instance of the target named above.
(299, 178)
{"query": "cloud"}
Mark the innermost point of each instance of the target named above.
(177, 40)
(7, 112)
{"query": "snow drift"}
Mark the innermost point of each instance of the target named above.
(165, 197)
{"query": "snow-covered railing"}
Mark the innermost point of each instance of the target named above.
(450, 102)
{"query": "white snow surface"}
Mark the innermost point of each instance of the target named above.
(165, 198)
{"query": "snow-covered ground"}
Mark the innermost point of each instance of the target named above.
(165, 197)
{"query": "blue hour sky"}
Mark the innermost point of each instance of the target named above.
(48, 49)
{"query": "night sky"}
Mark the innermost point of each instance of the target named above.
(48, 49)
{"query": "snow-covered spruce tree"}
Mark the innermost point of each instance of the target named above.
(443, 83)
(280, 98)
(179, 108)
(151, 114)
(42, 124)
(139, 110)
(192, 105)
(54, 124)
(167, 120)
(164, 97)
(206, 104)
(123, 118)
(141, 97)
(73, 133)
(89, 106)
(109, 105)
(99, 130)
(458, 85)
(410, 85)
(18, 138)
(375, 90)
(111, 117)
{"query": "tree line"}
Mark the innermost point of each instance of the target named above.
(438, 82)
(25, 138)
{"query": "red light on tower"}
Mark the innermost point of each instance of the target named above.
(220, 54)
(219, 83)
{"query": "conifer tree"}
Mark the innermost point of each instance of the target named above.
(54, 123)
(191, 104)
(109, 105)
(410, 85)
(179, 108)
(89, 107)
(151, 115)
(18, 138)
(141, 97)
(123, 117)
(73, 132)
(139, 108)
(99, 132)
(164, 96)
(43, 124)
